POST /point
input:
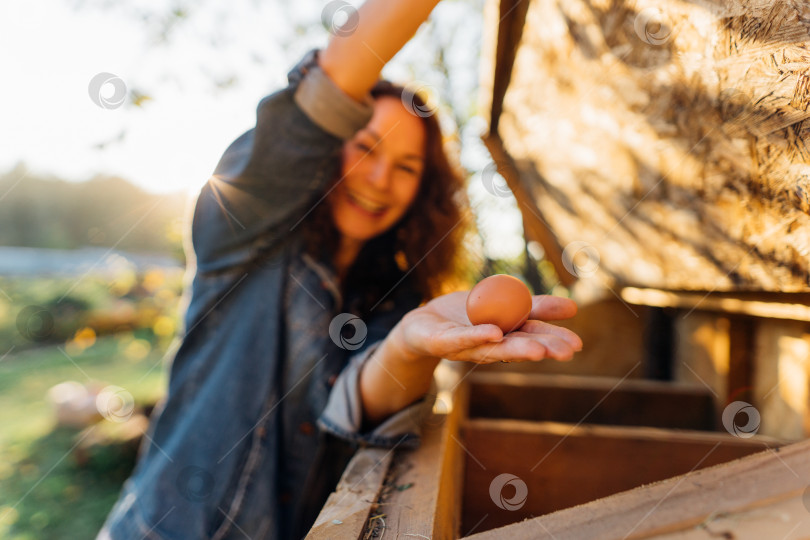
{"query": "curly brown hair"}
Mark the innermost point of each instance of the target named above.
(424, 251)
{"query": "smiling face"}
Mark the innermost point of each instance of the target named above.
(382, 169)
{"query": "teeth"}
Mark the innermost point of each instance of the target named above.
(366, 204)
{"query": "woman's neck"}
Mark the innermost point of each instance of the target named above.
(346, 255)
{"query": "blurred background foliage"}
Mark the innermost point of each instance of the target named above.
(45, 212)
(59, 480)
(105, 321)
(113, 318)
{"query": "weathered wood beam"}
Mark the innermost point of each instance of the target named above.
(591, 400)
(564, 465)
(767, 479)
(347, 510)
(535, 227)
(422, 496)
(512, 18)
(778, 306)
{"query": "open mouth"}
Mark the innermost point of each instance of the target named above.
(367, 205)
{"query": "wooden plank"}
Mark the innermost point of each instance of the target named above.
(422, 496)
(742, 344)
(702, 354)
(536, 227)
(591, 400)
(347, 509)
(782, 378)
(767, 478)
(512, 18)
(784, 519)
(562, 465)
(788, 306)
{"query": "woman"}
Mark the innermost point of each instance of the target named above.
(316, 243)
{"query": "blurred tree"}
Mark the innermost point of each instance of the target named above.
(50, 213)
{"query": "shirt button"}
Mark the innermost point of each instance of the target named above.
(331, 380)
(306, 428)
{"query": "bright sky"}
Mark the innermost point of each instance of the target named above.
(51, 52)
(52, 49)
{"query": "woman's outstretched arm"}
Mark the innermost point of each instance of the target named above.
(354, 61)
(400, 370)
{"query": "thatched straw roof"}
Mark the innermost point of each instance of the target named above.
(664, 143)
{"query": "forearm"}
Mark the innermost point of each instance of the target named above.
(393, 378)
(354, 61)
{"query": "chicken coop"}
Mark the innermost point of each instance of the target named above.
(657, 153)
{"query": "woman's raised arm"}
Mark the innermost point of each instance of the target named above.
(354, 61)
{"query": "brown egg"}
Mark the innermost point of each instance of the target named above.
(501, 300)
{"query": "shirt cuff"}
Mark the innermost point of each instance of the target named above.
(326, 104)
(343, 415)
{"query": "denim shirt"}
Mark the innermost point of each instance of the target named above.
(263, 407)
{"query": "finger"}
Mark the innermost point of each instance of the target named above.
(540, 327)
(509, 350)
(460, 338)
(556, 347)
(552, 308)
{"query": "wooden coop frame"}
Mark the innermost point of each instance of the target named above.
(594, 481)
(738, 334)
(617, 453)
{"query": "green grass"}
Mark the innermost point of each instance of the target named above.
(36, 310)
(44, 493)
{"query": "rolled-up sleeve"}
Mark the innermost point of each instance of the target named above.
(272, 176)
(329, 106)
(343, 415)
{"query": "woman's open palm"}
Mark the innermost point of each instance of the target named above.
(442, 329)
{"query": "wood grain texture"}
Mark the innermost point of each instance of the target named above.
(564, 465)
(422, 494)
(748, 487)
(347, 509)
(783, 519)
(591, 400)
